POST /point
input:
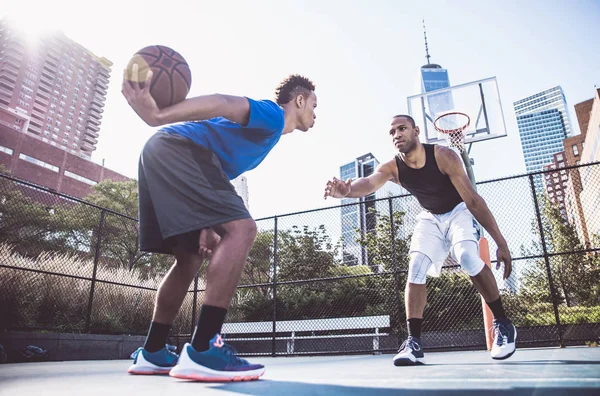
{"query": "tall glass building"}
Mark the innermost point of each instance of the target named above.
(434, 77)
(543, 123)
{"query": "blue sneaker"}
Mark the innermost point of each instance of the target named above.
(505, 337)
(160, 362)
(410, 353)
(218, 364)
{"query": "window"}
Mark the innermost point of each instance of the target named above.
(38, 162)
(6, 150)
(80, 178)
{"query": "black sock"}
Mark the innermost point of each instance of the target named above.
(157, 337)
(210, 322)
(414, 327)
(497, 308)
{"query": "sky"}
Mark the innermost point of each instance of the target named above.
(363, 56)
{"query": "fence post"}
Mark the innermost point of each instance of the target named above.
(93, 285)
(194, 305)
(547, 261)
(273, 344)
(395, 266)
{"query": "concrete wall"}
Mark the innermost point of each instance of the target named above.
(63, 346)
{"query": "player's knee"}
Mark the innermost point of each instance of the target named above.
(246, 230)
(418, 267)
(243, 230)
(467, 255)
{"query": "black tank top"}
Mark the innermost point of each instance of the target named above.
(434, 190)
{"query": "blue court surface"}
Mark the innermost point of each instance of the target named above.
(543, 371)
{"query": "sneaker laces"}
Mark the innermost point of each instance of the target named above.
(135, 353)
(232, 354)
(500, 333)
(410, 343)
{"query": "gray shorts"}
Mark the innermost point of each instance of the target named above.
(182, 189)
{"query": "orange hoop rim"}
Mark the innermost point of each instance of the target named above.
(452, 131)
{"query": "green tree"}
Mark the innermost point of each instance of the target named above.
(119, 238)
(381, 252)
(390, 255)
(305, 254)
(575, 275)
(27, 220)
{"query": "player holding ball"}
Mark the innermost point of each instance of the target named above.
(188, 207)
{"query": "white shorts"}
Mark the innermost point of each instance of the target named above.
(434, 235)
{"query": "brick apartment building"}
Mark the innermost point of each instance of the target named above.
(590, 177)
(52, 88)
(573, 149)
(52, 95)
(29, 158)
(577, 191)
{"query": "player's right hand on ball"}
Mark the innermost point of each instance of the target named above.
(139, 98)
(337, 188)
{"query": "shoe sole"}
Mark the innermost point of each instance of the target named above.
(504, 357)
(213, 376)
(408, 362)
(148, 371)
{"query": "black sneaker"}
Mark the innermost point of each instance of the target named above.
(505, 337)
(410, 353)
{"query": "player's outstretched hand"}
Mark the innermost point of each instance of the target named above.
(138, 97)
(337, 188)
(503, 256)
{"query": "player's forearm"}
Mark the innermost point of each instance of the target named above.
(484, 216)
(360, 187)
(194, 109)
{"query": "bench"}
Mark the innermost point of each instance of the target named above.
(374, 323)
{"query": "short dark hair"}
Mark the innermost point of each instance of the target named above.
(291, 87)
(409, 118)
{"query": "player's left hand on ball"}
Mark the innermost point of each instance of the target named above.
(138, 97)
(503, 256)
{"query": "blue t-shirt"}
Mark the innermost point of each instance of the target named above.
(238, 148)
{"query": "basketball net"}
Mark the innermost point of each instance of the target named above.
(451, 125)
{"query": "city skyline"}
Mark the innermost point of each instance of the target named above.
(380, 81)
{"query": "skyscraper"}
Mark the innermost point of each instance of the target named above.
(543, 123)
(52, 88)
(434, 77)
(359, 219)
(240, 184)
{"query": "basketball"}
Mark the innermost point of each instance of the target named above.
(171, 75)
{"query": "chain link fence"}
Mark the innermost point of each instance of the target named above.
(322, 281)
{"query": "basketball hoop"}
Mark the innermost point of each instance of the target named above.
(452, 125)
